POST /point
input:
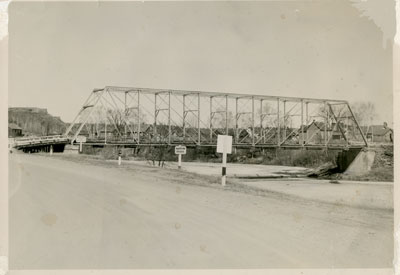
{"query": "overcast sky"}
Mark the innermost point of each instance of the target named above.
(59, 52)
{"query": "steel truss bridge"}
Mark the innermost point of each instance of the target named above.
(153, 117)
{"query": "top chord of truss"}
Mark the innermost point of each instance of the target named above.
(216, 94)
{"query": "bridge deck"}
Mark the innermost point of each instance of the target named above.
(31, 142)
(236, 145)
(26, 142)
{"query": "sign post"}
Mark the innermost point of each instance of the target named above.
(119, 157)
(180, 150)
(80, 139)
(224, 146)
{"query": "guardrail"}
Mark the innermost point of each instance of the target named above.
(15, 142)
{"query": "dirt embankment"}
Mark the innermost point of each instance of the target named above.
(324, 162)
(383, 156)
(271, 156)
(382, 168)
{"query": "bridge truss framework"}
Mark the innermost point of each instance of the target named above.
(144, 116)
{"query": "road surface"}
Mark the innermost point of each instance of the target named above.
(79, 214)
(237, 170)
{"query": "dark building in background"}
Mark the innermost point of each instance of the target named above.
(14, 130)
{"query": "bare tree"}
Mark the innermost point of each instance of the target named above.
(219, 119)
(132, 116)
(364, 112)
(124, 121)
(116, 118)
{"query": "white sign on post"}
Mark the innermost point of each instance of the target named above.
(180, 150)
(80, 139)
(224, 146)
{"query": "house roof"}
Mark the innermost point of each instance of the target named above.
(14, 126)
(319, 124)
(376, 130)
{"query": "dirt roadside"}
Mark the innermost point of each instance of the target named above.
(374, 195)
(88, 213)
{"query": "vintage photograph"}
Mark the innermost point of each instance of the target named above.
(200, 135)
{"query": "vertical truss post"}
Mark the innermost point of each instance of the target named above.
(372, 134)
(183, 117)
(125, 113)
(252, 122)
(226, 115)
(236, 121)
(326, 124)
(138, 117)
(302, 122)
(105, 129)
(284, 119)
(155, 116)
(198, 120)
(278, 123)
(211, 117)
(261, 121)
(169, 117)
(307, 120)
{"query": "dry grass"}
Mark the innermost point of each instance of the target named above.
(172, 175)
(303, 158)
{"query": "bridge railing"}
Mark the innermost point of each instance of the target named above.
(36, 140)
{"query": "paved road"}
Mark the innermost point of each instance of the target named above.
(66, 214)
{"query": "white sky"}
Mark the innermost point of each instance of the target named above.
(59, 52)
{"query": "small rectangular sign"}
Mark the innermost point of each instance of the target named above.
(80, 139)
(224, 144)
(180, 150)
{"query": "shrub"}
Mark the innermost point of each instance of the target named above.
(304, 158)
